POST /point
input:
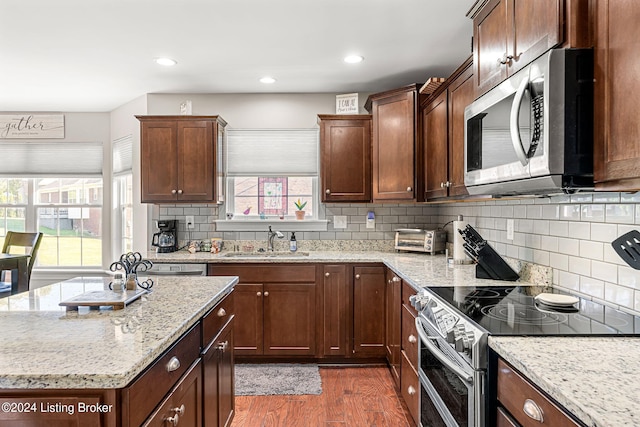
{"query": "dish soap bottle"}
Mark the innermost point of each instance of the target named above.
(293, 244)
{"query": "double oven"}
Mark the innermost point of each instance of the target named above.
(454, 324)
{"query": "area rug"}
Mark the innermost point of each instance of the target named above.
(269, 378)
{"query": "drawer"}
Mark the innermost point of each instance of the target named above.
(504, 420)
(216, 318)
(265, 273)
(146, 392)
(409, 336)
(407, 291)
(514, 392)
(183, 406)
(410, 388)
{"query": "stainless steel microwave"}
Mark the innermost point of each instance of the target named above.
(533, 133)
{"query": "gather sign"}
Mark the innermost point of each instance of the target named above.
(21, 126)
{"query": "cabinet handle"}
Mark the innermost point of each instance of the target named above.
(409, 189)
(259, 294)
(327, 191)
(442, 185)
(533, 411)
(266, 294)
(357, 276)
(411, 390)
(179, 191)
(173, 420)
(179, 410)
(412, 339)
(327, 274)
(222, 312)
(173, 191)
(173, 364)
(223, 345)
(395, 279)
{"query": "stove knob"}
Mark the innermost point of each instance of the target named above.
(451, 336)
(459, 344)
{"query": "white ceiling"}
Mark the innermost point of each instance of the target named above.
(95, 55)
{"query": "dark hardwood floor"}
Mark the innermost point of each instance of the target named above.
(351, 397)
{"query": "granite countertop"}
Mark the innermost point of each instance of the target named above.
(45, 346)
(419, 270)
(594, 378)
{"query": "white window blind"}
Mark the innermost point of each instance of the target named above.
(272, 152)
(122, 151)
(33, 159)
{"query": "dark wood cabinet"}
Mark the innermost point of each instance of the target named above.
(396, 143)
(183, 404)
(345, 158)
(509, 34)
(336, 315)
(274, 308)
(368, 311)
(217, 364)
(518, 398)
(443, 135)
(617, 134)
(393, 324)
(178, 158)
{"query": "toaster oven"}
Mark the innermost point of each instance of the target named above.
(419, 240)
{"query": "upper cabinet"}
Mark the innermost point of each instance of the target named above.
(617, 132)
(345, 157)
(509, 34)
(443, 135)
(396, 136)
(181, 158)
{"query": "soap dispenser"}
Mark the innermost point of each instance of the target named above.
(293, 244)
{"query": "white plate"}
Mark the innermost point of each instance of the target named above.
(557, 299)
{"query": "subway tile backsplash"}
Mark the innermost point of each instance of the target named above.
(568, 234)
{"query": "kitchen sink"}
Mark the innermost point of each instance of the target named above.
(265, 254)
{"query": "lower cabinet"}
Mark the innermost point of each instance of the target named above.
(393, 324)
(368, 311)
(409, 384)
(183, 405)
(275, 309)
(519, 403)
(217, 364)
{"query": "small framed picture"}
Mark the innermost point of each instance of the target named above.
(347, 103)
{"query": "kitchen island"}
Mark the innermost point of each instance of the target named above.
(84, 358)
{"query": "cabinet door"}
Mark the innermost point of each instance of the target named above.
(183, 404)
(226, 393)
(394, 147)
(345, 158)
(195, 160)
(392, 319)
(491, 35)
(461, 93)
(436, 147)
(368, 311)
(290, 319)
(247, 301)
(617, 132)
(159, 169)
(537, 27)
(335, 293)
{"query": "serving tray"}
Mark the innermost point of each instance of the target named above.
(97, 299)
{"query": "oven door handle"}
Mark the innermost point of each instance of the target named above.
(439, 355)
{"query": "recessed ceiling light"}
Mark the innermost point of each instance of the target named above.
(267, 80)
(167, 62)
(353, 59)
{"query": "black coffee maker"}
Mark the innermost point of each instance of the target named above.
(166, 240)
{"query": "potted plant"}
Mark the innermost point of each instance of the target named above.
(300, 206)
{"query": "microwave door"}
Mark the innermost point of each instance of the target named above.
(490, 156)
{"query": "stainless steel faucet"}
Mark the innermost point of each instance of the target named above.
(271, 234)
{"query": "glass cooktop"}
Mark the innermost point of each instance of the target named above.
(513, 310)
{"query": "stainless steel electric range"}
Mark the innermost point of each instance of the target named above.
(454, 324)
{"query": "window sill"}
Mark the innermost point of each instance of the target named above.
(276, 224)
